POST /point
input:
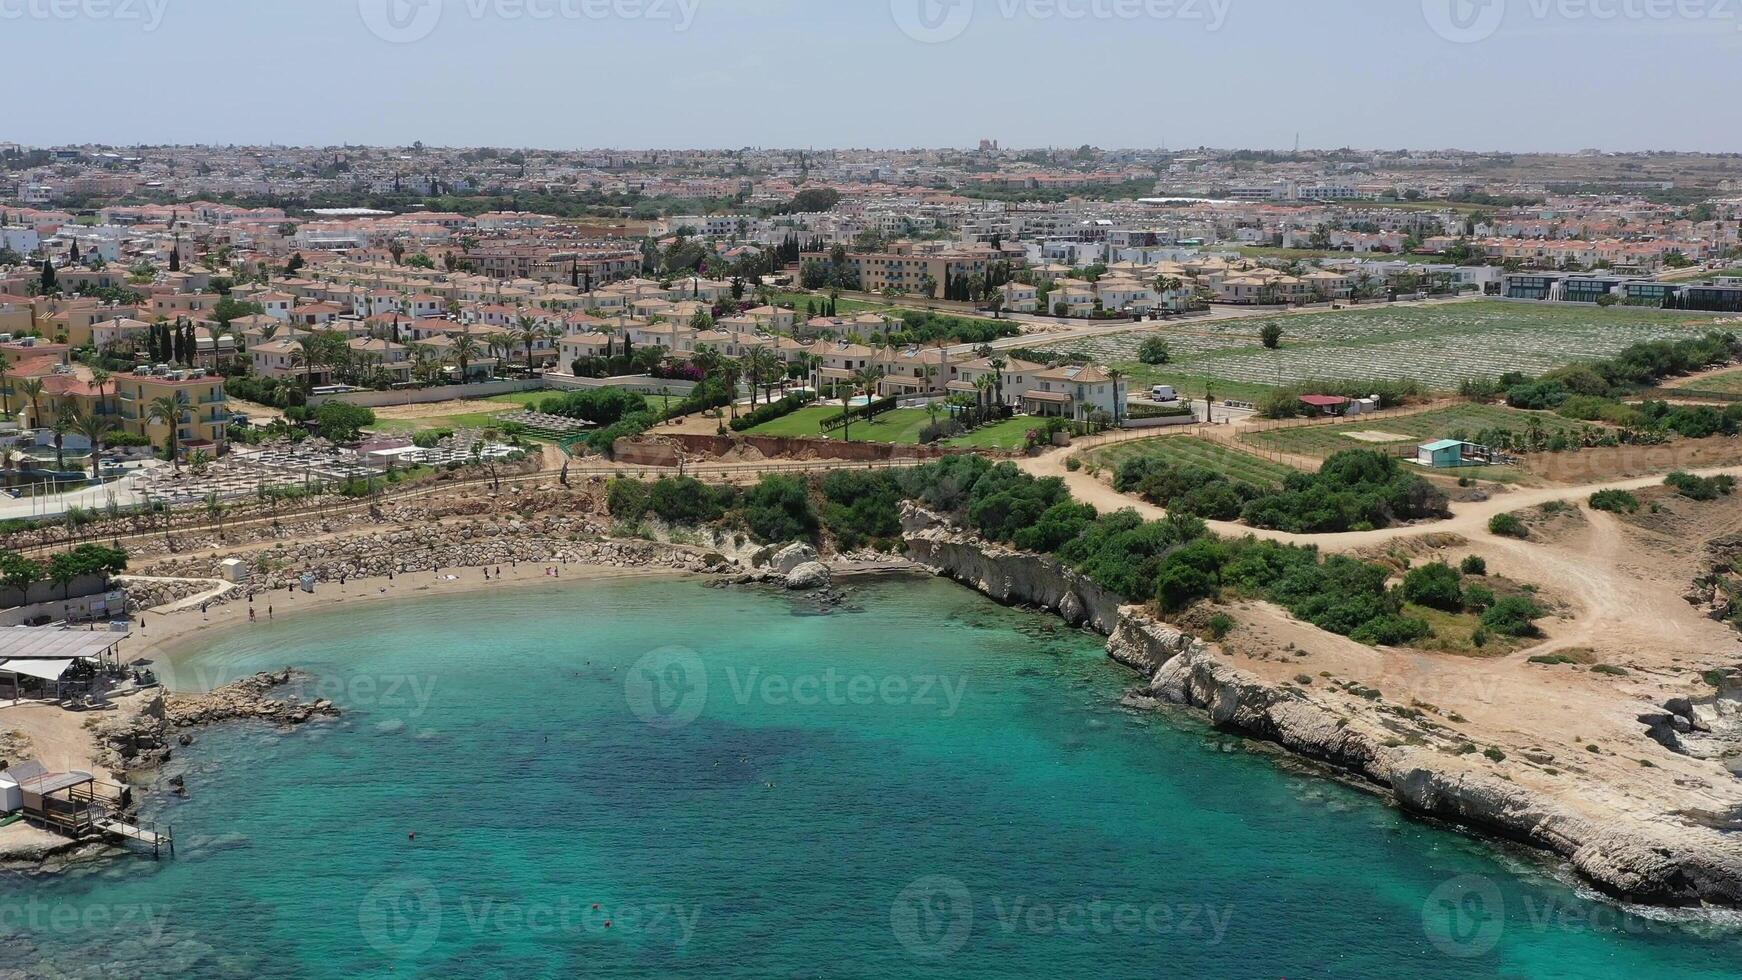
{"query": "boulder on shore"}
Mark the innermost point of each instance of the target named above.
(808, 577)
(789, 558)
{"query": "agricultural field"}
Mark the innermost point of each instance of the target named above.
(1192, 451)
(1439, 346)
(1391, 433)
(466, 414)
(1726, 383)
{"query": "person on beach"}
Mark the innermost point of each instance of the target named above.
(269, 610)
(251, 614)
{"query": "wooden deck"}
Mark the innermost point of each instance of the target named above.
(152, 838)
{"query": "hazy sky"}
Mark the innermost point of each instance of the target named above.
(1476, 74)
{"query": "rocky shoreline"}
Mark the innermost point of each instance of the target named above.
(1625, 858)
(137, 737)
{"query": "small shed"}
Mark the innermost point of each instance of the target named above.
(234, 570)
(1325, 404)
(1444, 454)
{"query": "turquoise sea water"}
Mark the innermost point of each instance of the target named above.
(927, 785)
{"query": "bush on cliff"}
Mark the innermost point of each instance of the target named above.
(862, 508)
(779, 509)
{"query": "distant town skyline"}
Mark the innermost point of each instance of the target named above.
(1479, 75)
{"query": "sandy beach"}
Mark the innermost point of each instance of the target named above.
(158, 637)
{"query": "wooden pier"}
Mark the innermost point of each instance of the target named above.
(158, 842)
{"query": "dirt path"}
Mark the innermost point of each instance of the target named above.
(1468, 519)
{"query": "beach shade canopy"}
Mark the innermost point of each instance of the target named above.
(50, 643)
(48, 670)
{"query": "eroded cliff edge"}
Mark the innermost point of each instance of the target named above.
(1676, 863)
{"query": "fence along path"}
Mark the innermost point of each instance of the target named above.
(195, 520)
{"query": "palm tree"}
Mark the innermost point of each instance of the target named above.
(299, 359)
(528, 332)
(864, 379)
(32, 388)
(5, 383)
(167, 410)
(764, 365)
(731, 371)
(101, 379)
(94, 428)
(983, 388)
(466, 348)
(998, 366)
(63, 423)
(554, 333)
(426, 365)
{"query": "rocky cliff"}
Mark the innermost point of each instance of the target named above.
(1016, 578)
(1659, 864)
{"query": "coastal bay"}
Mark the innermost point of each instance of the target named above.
(919, 783)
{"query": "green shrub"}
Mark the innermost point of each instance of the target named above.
(1154, 350)
(862, 508)
(1614, 501)
(779, 509)
(1700, 487)
(1221, 624)
(1478, 598)
(626, 499)
(1508, 526)
(600, 406)
(685, 501)
(1437, 586)
(340, 422)
(1391, 630)
(1513, 616)
(1356, 488)
(1474, 565)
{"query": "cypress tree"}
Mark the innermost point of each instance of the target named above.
(48, 278)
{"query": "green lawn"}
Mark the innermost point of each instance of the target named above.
(901, 427)
(1407, 430)
(1192, 451)
(843, 306)
(1006, 435)
(512, 402)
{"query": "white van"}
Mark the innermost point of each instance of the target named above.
(1163, 393)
